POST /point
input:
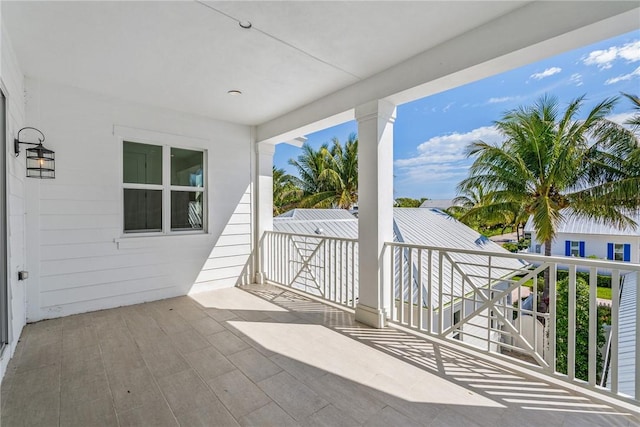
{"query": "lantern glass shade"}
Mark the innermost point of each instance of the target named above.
(41, 162)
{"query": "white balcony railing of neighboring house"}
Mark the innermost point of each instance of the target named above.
(326, 267)
(477, 299)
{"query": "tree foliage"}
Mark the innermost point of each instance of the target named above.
(551, 164)
(581, 330)
(285, 191)
(328, 177)
(407, 202)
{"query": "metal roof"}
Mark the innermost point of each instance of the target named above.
(575, 225)
(627, 336)
(437, 203)
(316, 214)
(345, 228)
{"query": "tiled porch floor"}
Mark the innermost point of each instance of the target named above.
(264, 356)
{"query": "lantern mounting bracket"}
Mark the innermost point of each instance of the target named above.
(17, 141)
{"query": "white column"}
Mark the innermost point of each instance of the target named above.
(375, 207)
(264, 201)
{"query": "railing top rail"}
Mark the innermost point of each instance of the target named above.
(583, 262)
(312, 236)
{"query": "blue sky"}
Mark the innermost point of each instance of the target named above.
(430, 134)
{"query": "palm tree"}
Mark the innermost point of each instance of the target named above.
(470, 207)
(310, 165)
(552, 164)
(625, 141)
(329, 176)
(285, 191)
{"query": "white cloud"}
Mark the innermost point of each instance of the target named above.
(604, 59)
(630, 51)
(441, 150)
(576, 78)
(447, 107)
(500, 100)
(621, 118)
(546, 73)
(623, 77)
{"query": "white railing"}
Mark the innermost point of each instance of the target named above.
(325, 267)
(476, 298)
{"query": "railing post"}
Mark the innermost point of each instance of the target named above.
(263, 189)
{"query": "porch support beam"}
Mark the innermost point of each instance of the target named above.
(264, 202)
(375, 206)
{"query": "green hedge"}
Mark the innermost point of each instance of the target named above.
(603, 281)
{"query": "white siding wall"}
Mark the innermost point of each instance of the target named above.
(594, 244)
(83, 261)
(13, 85)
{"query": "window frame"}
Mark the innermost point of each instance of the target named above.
(167, 143)
(621, 252)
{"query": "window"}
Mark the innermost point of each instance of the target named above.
(538, 249)
(619, 252)
(163, 188)
(574, 248)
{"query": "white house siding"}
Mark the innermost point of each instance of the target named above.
(13, 85)
(595, 244)
(79, 258)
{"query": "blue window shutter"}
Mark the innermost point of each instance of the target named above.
(582, 249)
(609, 250)
(627, 252)
(567, 247)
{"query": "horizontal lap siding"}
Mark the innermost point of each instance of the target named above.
(12, 79)
(85, 261)
(228, 261)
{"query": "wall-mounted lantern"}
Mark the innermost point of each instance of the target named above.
(40, 160)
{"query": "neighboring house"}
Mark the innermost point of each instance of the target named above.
(420, 226)
(626, 336)
(586, 238)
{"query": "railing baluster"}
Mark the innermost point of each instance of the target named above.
(429, 291)
(553, 275)
(593, 324)
(392, 281)
(410, 279)
(615, 319)
(420, 292)
(637, 349)
(353, 269)
(571, 298)
(401, 279)
(440, 286)
(489, 311)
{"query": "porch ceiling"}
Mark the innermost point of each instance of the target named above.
(186, 55)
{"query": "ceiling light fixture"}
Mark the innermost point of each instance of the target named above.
(234, 92)
(245, 24)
